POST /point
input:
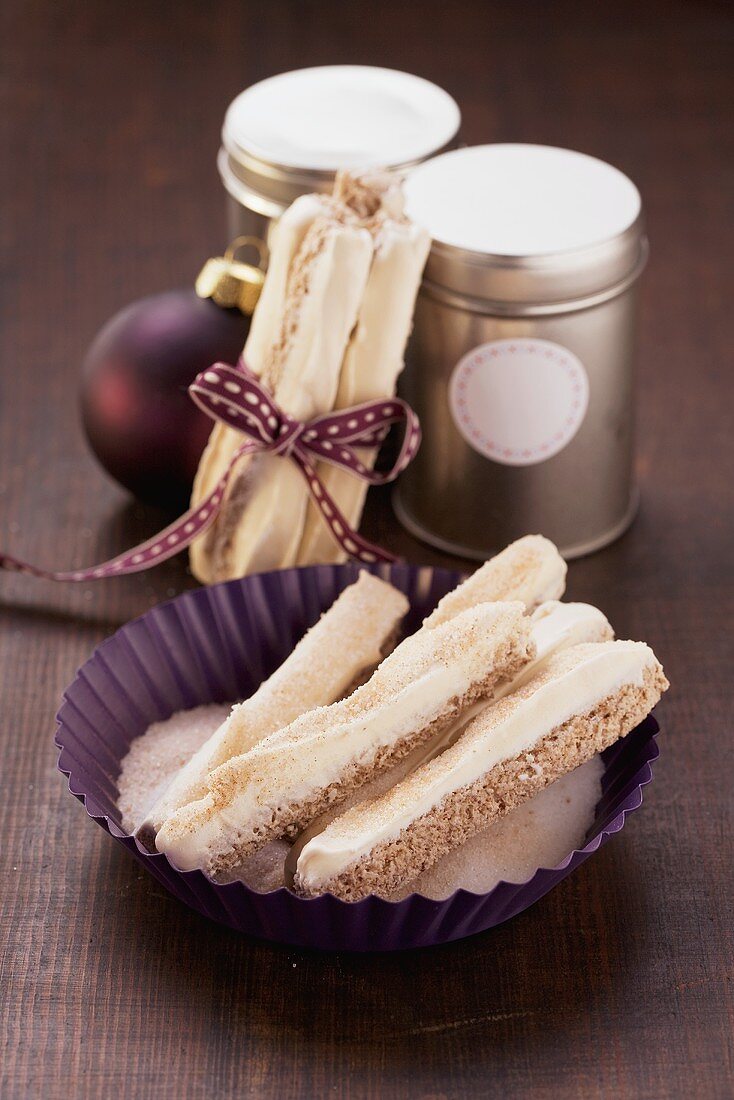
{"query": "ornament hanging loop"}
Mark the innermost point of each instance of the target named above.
(232, 283)
(257, 243)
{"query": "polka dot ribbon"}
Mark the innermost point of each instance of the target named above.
(234, 396)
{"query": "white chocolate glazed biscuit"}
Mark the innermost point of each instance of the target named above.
(583, 699)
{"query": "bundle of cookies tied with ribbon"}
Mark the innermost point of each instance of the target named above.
(367, 758)
(328, 335)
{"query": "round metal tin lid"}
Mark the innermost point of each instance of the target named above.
(296, 129)
(526, 223)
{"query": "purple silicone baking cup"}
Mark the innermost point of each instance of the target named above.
(216, 644)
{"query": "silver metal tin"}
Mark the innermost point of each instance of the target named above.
(262, 179)
(576, 307)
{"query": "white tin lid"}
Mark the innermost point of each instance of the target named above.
(527, 223)
(290, 133)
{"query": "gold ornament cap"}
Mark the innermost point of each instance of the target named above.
(232, 283)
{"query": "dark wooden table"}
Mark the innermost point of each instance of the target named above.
(618, 984)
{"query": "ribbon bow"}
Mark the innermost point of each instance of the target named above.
(237, 398)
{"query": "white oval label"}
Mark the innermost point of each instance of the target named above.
(519, 401)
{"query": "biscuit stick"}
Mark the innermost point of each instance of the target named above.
(583, 700)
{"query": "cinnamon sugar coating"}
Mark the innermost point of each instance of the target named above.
(530, 570)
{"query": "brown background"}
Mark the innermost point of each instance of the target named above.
(619, 982)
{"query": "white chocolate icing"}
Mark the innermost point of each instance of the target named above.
(501, 732)
(304, 761)
(550, 583)
(556, 626)
(370, 370)
(286, 239)
(271, 525)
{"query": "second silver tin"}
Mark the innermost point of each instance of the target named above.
(521, 366)
(288, 135)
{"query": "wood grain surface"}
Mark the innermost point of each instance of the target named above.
(619, 983)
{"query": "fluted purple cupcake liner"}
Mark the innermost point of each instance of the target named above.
(213, 645)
